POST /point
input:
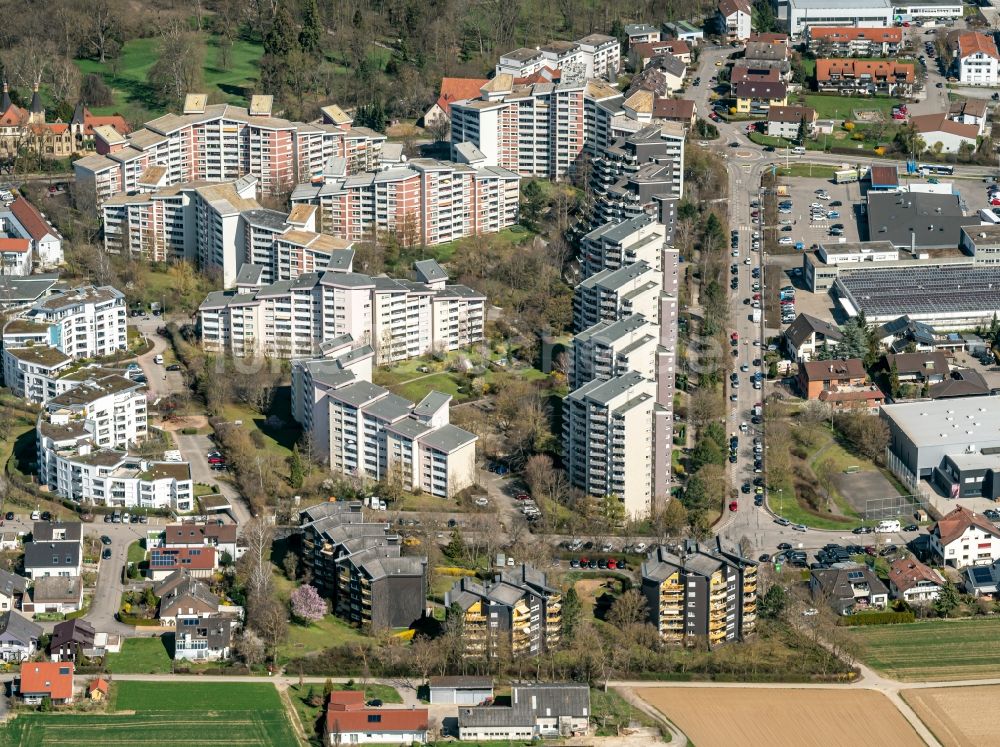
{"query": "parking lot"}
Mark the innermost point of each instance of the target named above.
(802, 193)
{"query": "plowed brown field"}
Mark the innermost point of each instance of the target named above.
(775, 717)
(958, 716)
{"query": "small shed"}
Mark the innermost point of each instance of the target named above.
(456, 690)
(97, 690)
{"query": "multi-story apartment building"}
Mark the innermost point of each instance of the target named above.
(111, 408)
(593, 56)
(221, 142)
(360, 566)
(733, 19)
(608, 440)
(290, 318)
(515, 614)
(612, 245)
(425, 201)
(34, 372)
(610, 295)
(611, 349)
(978, 59)
(849, 75)
(641, 173)
(700, 593)
(848, 41)
(83, 322)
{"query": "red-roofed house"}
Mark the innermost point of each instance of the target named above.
(15, 256)
(963, 537)
(640, 54)
(848, 76)
(848, 41)
(350, 721)
(452, 89)
(937, 128)
(733, 19)
(41, 679)
(212, 534)
(199, 562)
(675, 110)
(25, 221)
(978, 59)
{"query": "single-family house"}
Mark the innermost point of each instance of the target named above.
(56, 594)
(9, 541)
(97, 690)
(918, 368)
(69, 637)
(970, 112)
(52, 559)
(18, 637)
(667, 71)
(183, 596)
(558, 709)
(685, 31)
(816, 377)
(641, 33)
(24, 221)
(733, 19)
(962, 382)
(683, 111)
(460, 690)
(452, 89)
(200, 562)
(901, 332)
(758, 98)
(349, 720)
(12, 589)
(848, 590)
(211, 534)
(45, 679)
(640, 54)
(808, 335)
(944, 135)
(914, 582)
(15, 256)
(977, 58)
(964, 537)
(849, 76)
(787, 121)
(204, 638)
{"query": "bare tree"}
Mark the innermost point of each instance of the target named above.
(258, 534)
(104, 19)
(250, 648)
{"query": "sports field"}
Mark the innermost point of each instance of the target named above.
(932, 649)
(166, 714)
(782, 717)
(958, 716)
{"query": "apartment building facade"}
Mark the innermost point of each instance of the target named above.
(849, 75)
(613, 245)
(978, 59)
(611, 349)
(850, 41)
(360, 566)
(700, 592)
(734, 19)
(516, 612)
(291, 318)
(221, 142)
(84, 322)
(610, 295)
(425, 201)
(592, 56)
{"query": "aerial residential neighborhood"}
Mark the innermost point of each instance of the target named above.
(500, 373)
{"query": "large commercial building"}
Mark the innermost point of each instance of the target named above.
(953, 443)
(400, 319)
(423, 202)
(221, 142)
(696, 592)
(360, 565)
(517, 612)
(553, 710)
(799, 15)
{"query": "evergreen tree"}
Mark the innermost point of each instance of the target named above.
(309, 36)
(280, 39)
(296, 470)
(570, 614)
(800, 136)
(618, 31)
(894, 380)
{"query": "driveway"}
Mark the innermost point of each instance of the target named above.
(194, 449)
(107, 597)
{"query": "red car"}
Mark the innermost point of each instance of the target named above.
(216, 460)
(733, 506)
(756, 296)
(713, 116)
(612, 564)
(521, 497)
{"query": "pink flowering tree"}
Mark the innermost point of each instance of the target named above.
(307, 605)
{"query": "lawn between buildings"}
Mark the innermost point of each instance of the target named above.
(165, 714)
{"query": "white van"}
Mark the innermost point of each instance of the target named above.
(798, 150)
(158, 360)
(887, 526)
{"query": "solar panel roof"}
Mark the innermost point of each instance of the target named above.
(923, 290)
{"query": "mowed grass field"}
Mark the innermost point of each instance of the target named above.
(932, 650)
(166, 714)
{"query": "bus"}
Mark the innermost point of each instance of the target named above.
(934, 169)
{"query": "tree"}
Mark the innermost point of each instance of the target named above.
(290, 564)
(311, 31)
(762, 16)
(271, 622)
(307, 605)
(705, 406)
(296, 470)
(571, 610)
(772, 603)
(673, 518)
(179, 64)
(612, 511)
(947, 600)
(255, 564)
(250, 648)
(894, 380)
(456, 547)
(800, 136)
(627, 610)
(532, 203)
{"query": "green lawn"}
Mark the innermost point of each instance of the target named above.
(277, 441)
(136, 554)
(841, 107)
(129, 85)
(813, 170)
(784, 504)
(442, 382)
(194, 714)
(141, 656)
(330, 631)
(932, 650)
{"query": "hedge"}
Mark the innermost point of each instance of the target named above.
(877, 618)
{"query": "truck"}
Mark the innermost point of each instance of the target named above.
(845, 176)
(755, 316)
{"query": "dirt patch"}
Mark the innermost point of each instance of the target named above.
(771, 717)
(859, 487)
(187, 421)
(958, 716)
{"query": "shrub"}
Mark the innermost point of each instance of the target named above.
(189, 431)
(876, 618)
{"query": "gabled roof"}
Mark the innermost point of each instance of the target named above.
(826, 69)
(834, 369)
(458, 89)
(952, 526)
(925, 364)
(973, 42)
(905, 573)
(749, 89)
(928, 123)
(675, 109)
(791, 114)
(54, 679)
(32, 221)
(890, 35)
(20, 628)
(963, 383)
(729, 7)
(805, 325)
(346, 713)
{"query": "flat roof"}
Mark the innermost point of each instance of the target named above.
(929, 220)
(922, 290)
(948, 422)
(840, 4)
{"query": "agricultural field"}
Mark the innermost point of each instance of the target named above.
(165, 714)
(958, 716)
(932, 650)
(764, 717)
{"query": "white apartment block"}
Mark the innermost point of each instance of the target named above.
(608, 440)
(799, 15)
(111, 409)
(33, 373)
(611, 295)
(400, 319)
(612, 246)
(424, 202)
(84, 322)
(610, 349)
(978, 59)
(379, 435)
(593, 56)
(734, 19)
(220, 142)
